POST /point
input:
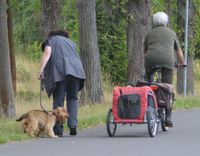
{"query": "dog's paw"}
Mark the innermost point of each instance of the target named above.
(55, 136)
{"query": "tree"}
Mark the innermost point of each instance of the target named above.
(50, 16)
(168, 4)
(111, 21)
(181, 22)
(11, 46)
(92, 92)
(7, 106)
(137, 28)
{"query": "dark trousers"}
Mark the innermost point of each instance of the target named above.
(167, 77)
(69, 88)
(166, 74)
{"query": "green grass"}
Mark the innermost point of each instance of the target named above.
(11, 131)
(187, 103)
(89, 116)
(93, 115)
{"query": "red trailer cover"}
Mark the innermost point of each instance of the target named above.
(142, 92)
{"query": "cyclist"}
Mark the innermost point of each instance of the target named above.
(159, 47)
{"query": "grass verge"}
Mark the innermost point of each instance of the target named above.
(11, 131)
(89, 116)
(187, 103)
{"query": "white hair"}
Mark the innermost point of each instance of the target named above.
(160, 18)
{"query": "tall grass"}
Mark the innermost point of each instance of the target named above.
(194, 100)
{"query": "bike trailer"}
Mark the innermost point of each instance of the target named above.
(130, 103)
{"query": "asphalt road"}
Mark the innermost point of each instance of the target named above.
(182, 140)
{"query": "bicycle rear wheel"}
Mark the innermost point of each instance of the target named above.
(163, 119)
(152, 121)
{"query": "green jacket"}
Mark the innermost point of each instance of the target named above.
(160, 45)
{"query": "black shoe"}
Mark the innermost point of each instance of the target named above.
(58, 130)
(60, 135)
(168, 123)
(72, 131)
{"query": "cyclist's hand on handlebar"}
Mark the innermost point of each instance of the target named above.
(180, 65)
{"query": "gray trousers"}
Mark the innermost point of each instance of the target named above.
(166, 75)
(69, 88)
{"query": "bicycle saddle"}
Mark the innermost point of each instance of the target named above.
(156, 68)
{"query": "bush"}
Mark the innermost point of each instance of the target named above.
(34, 50)
(197, 70)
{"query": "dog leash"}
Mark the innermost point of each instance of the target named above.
(41, 89)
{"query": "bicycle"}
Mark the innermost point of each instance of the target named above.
(137, 105)
(162, 111)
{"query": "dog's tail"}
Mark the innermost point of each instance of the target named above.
(22, 117)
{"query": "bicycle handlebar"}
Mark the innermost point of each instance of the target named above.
(180, 65)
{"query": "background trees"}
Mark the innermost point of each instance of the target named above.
(137, 28)
(50, 16)
(92, 92)
(11, 46)
(112, 25)
(181, 24)
(109, 35)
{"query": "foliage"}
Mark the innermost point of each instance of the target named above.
(112, 41)
(197, 70)
(34, 50)
(157, 5)
(69, 19)
(111, 30)
(196, 38)
(26, 21)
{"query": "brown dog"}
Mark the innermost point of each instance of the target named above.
(37, 122)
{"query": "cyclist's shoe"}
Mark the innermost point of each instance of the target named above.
(168, 123)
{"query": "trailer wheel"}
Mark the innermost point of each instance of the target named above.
(110, 124)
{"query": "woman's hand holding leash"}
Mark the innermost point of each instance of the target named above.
(41, 75)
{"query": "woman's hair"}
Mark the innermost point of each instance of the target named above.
(160, 18)
(58, 32)
(54, 33)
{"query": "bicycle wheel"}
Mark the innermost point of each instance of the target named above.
(110, 124)
(163, 119)
(152, 121)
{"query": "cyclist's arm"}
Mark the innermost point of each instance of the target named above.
(180, 56)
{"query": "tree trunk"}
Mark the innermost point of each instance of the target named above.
(107, 8)
(137, 28)
(11, 46)
(7, 106)
(181, 22)
(50, 16)
(92, 92)
(169, 11)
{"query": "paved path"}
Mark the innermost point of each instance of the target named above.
(182, 140)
